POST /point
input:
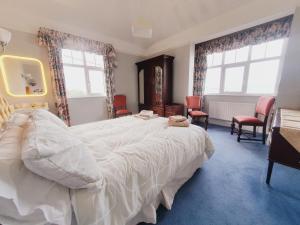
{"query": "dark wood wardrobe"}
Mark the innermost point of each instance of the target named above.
(155, 86)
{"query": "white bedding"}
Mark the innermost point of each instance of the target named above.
(26, 198)
(143, 163)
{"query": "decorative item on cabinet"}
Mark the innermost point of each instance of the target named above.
(155, 86)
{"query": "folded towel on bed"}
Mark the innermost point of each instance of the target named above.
(146, 115)
(174, 123)
(177, 118)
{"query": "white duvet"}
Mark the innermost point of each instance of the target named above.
(143, 163)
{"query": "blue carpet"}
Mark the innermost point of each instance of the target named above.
(230, 189)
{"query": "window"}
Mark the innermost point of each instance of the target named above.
(84, 73)
(249, 70)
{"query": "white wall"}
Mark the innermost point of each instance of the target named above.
(82, 110)
(85, 110)
(289, 87)
(126, 79)
(24, 44)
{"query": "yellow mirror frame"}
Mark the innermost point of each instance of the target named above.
(5, 75)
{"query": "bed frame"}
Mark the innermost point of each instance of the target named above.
(5, 110)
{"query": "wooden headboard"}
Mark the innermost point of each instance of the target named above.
(5, 110)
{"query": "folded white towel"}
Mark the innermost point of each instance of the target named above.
(177, 118)
(147, 113)
(146, 117)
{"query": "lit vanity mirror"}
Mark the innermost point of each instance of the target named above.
(23, 76)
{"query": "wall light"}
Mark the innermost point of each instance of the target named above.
(5, 75)
(5, 37)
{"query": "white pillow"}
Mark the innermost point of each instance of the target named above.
(54, 153)
(16, 119)
(42, 114)
(26, 198)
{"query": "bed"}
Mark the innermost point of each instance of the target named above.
(143, 164)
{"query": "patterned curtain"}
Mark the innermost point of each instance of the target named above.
(109, 64)
(262, 33)
(55, 41)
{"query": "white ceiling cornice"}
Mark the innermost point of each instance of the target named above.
(244, 17)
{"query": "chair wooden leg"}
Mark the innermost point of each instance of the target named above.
(232, 126)
(239, 133)
(206, 122)
(264, 135)
(270, 168)
(254, 131)
(192, 120)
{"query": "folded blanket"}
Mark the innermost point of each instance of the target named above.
(177, 118)
(146, 113)
(178, 124)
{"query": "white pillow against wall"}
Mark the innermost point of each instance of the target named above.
(42, 114)
(26, 198)
(54, 153)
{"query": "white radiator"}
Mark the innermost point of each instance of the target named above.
(226, 110)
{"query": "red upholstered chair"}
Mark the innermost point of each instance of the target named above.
(193, 105)
(120, 106)
(263, 108)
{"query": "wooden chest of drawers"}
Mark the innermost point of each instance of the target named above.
(160, 110)
(174, 109)
(165, 111)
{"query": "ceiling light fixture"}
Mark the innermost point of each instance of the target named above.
(141, 28)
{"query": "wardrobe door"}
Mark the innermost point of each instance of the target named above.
(158, 85)
(141, 85)
(148, 92)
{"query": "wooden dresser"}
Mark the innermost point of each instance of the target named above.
(281, 150)
(155, 86)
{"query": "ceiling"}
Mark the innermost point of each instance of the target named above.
(111, 20)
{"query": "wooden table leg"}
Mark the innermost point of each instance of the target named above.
(270, 168)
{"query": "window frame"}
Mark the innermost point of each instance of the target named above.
(246, 65)
(86, 73)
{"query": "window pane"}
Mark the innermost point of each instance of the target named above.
(258, 51)
(262, 77)
(93, 59)
(77, 57)
(212, 81)
(75, 81)
(97, 82)
(90, 59)
(230, 56)
(66, 56)
(209, 59)
(242, 54)
(217, 59)
(274, 48)
(99, 61)
(234, 79)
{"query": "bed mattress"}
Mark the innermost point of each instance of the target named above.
(143, 163)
